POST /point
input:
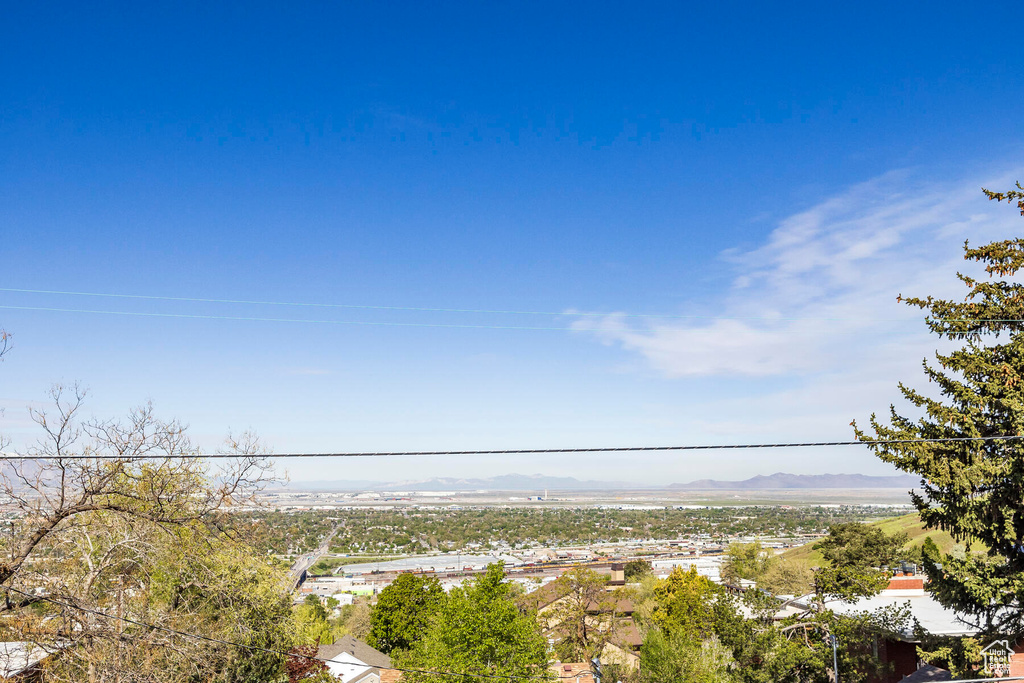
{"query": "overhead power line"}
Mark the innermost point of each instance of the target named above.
(511, 451)
(256, 648)
(566, 313)
(367, 307)
(244, 318)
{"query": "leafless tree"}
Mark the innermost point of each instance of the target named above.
(92, 539)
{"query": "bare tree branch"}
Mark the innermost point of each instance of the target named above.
(101, 533)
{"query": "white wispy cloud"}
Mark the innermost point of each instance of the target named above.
(819, 296)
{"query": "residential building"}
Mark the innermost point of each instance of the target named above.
(353, 661)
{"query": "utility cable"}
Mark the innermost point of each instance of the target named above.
(256, 648)
(439, 309)
(244, 318)
(429, 309)
(509, 451)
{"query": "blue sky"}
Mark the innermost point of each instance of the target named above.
(732, 160)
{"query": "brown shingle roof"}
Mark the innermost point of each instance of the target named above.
(626, 634)
(927, 673)
(356, 648)
(544, 596)
(620, 606)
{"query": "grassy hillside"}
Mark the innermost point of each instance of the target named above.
(804, 553)
(911, 524)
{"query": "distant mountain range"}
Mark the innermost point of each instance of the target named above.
(504, 482)
(781, 480)
(539, 482)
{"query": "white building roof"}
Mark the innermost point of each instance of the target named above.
(347, 666)
(17, 657)
(932, 616)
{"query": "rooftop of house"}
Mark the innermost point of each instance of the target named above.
(611, 604)
(356, 648)
(929, 613)
(926, 674)
(626, 634)
(579, 670)
(17, 657)
(543, 596)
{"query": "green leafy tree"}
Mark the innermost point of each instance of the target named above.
(750, 561)
(860, 545)
(960, 656)
(312, 622)
(856, 554)
(634, 569)
(480, 630)
(679, 658)
(686, 604)
(764, 654)
(584, 616)
(770, 572)
(972, 489)
(355, 619)
(128, 539)
(402, 612)
(787, 577)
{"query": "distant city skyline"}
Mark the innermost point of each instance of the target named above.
(769, 179)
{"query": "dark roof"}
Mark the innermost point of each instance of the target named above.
(556, 590)
(626, 634)
(623, 633)
(356, 648)
(610, 604)
(927, 673)
(544, 596)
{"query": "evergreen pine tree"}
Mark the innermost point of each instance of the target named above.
(972, 489)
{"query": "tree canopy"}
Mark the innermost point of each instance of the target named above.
(634, 569)
(479, 629)
(973, 488)
(141, 535)
(685, 603)
(585, 616)
(858, 558)
(402, 612)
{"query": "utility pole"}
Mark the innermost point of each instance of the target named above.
(120, 605)
(835, 656)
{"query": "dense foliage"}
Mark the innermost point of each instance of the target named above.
(96, 550)
(858, 559)
(403, 610)
(585, 616)
(364, 531)
(479, 629)
(634, 569)
(972, 489)
(696, 629)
